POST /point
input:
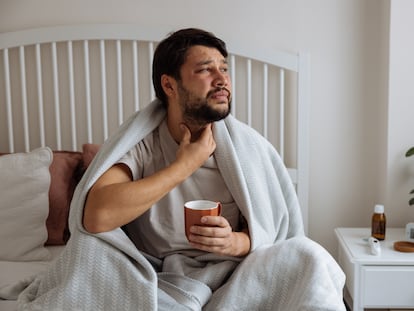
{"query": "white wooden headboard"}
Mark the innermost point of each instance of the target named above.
(68, 85)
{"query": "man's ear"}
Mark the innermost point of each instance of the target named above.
(168, 85)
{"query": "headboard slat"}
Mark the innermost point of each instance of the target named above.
(135, 74)
(119, 81)
(151, 53)
(8, 100)
(72, 95)
(56, 92)
(103, 90)
(87, 91)
(23, 95)
(39, 86)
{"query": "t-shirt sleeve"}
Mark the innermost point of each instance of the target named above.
(132, 159)
(140, 157)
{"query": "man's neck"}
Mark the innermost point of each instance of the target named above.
(174, 126)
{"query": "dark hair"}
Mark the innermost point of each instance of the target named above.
(171, 52)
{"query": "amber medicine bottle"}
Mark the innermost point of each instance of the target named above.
(378, 223)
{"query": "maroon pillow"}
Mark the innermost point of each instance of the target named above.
(88, 153)
(65, 172)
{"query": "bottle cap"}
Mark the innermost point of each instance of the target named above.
(379, 209)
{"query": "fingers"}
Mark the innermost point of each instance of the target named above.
(216, 231)
(203, 135)
(215, 221)
(195, 150)
(205, 242)
(213, 244)
(186, 137)
(218, 237)
(207, 132)
(232, 244)
(211, 231)
(207, 138)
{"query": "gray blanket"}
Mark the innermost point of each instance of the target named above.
(284, 271)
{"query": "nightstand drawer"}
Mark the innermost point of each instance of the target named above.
(387, 285)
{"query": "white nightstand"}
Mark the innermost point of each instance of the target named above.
(384, 281)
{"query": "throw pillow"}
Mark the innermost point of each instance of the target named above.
(24, 205)
(65, 172)
(88, 153)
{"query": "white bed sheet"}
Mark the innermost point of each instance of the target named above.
(14, 271)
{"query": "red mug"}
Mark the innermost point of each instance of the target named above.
(195, 210)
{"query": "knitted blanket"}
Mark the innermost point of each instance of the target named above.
(284, 270)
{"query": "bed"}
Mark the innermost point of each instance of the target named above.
(65, 89)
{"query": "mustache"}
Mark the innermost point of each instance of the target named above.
(219, 89)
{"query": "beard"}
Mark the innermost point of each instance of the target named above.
(197, 111)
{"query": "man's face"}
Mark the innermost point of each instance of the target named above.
(205, 87)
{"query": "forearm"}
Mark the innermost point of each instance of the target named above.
(116, 204)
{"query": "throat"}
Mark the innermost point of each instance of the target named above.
(196, 130)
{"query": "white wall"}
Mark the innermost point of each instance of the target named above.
(345, 43)
(400, 170)
(348, 44)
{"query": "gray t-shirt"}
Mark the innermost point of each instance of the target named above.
(160, 231)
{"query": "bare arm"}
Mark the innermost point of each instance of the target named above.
(115, 200)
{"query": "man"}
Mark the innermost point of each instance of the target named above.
(184, 146)
(194, 85)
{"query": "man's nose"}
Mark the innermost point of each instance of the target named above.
(221, 79)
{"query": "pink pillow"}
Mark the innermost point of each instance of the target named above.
(65, 171)
(88, 153)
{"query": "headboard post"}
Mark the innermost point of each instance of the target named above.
(303, 135)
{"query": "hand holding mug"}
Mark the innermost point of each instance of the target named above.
(214, 234)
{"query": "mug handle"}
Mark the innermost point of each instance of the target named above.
(219, 208)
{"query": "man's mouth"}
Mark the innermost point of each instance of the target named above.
(221, 94)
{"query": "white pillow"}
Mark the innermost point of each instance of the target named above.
(24, 205)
